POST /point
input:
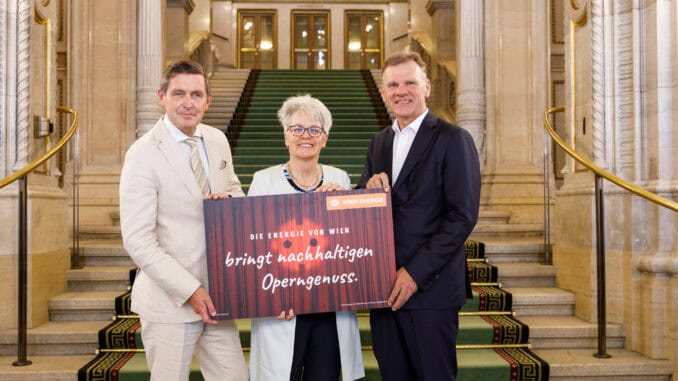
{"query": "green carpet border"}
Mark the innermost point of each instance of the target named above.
(525, 364)
(104, 366)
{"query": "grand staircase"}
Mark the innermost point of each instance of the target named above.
(226, 88)
(490, 339)
(351, 95)
(60, 347)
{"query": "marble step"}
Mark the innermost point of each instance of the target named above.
(493, 217)
(223, 102)
(103, 232)
(43, 368)
(521, 249)
(83, 306)
(221, 109)
(99, 278)
(230, 73)
(482, 231)
(104, 253)
(220, 84)
(564, 364)
(219, 121)
(230, 92)
(526, 274)
(623, 365)
(558, 332)
(531, 301)
(56, 338)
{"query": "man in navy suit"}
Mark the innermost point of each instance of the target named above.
(431, 169)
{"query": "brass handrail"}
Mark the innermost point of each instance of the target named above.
(601, 172)
(599, 237)
(196, 39)
(47, 155)
(22, 252)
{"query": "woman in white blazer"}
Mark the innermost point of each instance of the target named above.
(310, 346)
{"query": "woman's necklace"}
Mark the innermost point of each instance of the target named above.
(300, 184)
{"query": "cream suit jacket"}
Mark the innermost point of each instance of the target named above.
(161, 218)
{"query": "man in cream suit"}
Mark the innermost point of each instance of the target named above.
(161, 218)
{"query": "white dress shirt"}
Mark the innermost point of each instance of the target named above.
(402, 142)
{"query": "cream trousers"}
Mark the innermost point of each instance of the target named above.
(170, 349)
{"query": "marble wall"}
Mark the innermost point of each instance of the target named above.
(517, 94)
(102, 77)
(621, 90)
(28, 77)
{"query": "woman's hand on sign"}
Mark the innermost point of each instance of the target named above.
(286, 315)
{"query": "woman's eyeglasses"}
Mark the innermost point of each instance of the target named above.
(313, 131)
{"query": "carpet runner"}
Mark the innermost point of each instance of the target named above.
(492, 344)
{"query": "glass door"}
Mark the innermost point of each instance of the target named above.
(363, 40)
(310, 46)
(257, 42)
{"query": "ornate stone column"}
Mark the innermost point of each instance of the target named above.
(666, 183)
(7, 92)
(149, 63)
(665, 148)
(470, 72)
(19, 78)
(14, 40)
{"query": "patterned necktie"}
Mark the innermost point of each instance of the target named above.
(196, 165)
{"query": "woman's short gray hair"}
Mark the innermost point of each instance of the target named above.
(305, 103)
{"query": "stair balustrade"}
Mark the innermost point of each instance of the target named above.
(22, 177)
(600, 174)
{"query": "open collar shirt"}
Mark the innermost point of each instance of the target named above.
(402, 142)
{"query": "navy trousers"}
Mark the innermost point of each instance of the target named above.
(415, 345)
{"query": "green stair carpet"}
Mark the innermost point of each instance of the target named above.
(492, 344)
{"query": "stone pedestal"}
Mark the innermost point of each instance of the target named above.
(48, 249)
(104, 91)
(176, 27)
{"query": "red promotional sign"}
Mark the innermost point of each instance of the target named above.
(310, 252)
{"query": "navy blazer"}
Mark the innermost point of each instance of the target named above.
(435, 204)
